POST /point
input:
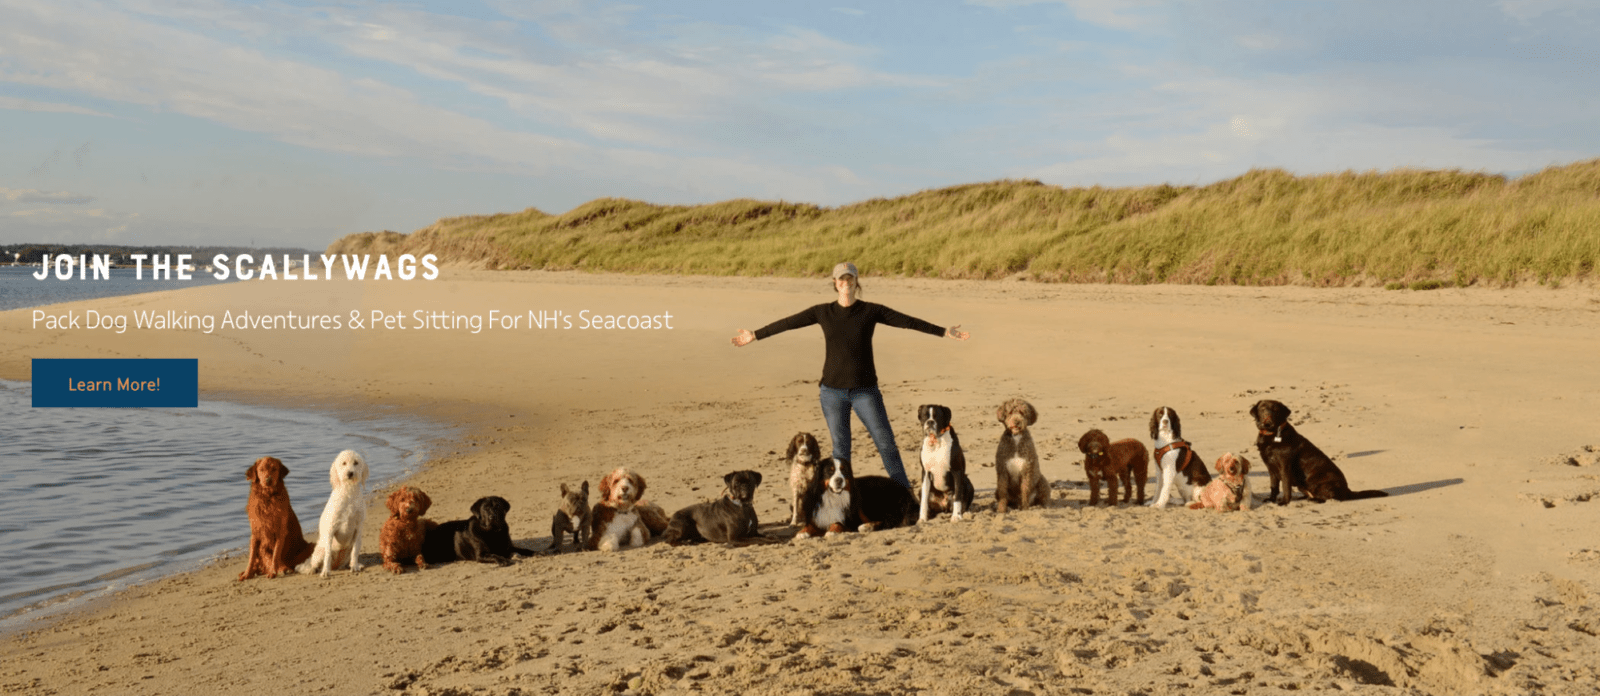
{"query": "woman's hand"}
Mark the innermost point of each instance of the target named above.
(954, 332)
(743, 338)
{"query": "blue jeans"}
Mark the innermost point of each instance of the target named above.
(868, 405)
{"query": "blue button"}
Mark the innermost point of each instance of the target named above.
(116, 383)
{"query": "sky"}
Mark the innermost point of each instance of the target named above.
(293, 124)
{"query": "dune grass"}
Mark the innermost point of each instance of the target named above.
(1406, 228)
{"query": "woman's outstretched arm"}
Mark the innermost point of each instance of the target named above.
(805, 317)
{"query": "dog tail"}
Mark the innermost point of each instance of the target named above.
(1358, 495)
(313, 563)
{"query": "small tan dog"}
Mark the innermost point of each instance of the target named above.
(1230, 490)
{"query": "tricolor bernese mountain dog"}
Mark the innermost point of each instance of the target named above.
(836, 501)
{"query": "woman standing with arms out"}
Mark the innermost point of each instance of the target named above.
(849, 377)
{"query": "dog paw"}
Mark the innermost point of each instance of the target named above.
(868, 527)
(802, 535)
(955, 517)
(832, 534)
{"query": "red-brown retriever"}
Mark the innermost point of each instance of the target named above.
(276, 543)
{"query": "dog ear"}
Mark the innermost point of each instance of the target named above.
(250, 473)
(1281, 413)
(1000, 412)
(584, 489)
(564, 492)
(640, 481)
(1029, 413)
(1155, 423)
(794, 446)
(756, 475)
(1254, 410)
(606, 482)
(477, 506)
(727, 479)
(393, 501)
(423, 502)
(1087, 439)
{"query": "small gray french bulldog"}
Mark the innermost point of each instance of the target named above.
(573, 516)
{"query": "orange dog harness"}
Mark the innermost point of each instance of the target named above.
(1188, 453)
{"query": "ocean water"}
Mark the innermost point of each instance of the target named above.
(95, 499)
(19, 289)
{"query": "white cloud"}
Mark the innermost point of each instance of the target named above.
(65, 225)
(1528, 10)
(16, 104)
(623, 100)
(1128, 15)
(36, 196)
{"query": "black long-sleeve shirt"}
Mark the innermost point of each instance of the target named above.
(848, 331)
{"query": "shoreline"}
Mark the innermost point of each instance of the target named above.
(396, 445)
(1055, 588)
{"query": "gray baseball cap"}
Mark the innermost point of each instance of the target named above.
(845, 269)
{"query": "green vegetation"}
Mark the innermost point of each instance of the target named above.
(1405, 228)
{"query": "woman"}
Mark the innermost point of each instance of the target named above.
(849, 378)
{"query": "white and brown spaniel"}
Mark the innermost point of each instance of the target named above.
(1174, 455)
(802, 455)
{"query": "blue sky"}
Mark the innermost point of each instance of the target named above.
(284, 123)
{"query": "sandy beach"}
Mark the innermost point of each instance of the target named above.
(1474, 408)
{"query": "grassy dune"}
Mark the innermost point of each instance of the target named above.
(1404, 228)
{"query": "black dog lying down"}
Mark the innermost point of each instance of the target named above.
(485, 537)
(730, 519)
